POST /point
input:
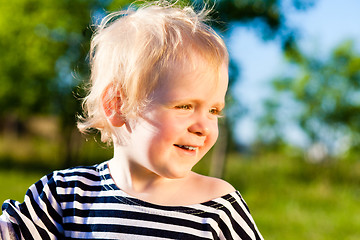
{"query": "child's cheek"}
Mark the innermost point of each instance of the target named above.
(214, 134)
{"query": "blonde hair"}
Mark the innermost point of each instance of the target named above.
(132, 49)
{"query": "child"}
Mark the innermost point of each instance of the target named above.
(158, 83)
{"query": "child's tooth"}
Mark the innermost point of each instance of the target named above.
(187, 147)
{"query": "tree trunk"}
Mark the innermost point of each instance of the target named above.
(218, 156)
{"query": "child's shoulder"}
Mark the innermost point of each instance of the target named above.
(209, 187)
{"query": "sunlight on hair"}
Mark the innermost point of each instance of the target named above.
(132, 49)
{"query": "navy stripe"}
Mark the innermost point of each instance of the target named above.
(55, 215)
(242, 200)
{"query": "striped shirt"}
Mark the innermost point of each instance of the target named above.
(85, 203)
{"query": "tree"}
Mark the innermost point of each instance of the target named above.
(41, 42)
(37, 37)
(326, 92)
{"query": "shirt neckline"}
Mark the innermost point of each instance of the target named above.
(195, 209)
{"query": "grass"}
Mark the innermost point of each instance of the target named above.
(292, 199)
(15, 182)
(288, 197)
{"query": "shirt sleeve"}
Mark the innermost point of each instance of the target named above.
(236, 221)
(38, 217)
(6, 229)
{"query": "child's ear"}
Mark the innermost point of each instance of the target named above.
(112, 107)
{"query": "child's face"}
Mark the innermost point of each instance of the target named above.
(181, 124)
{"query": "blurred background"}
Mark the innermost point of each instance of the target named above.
(291, 137)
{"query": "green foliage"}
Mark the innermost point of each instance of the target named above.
(327, 95)
(40, 42)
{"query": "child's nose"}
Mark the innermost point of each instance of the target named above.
(201, 126)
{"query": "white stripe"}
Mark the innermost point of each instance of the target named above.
(109, 235)
(78, 190)
(5, 228)
(81, 179)
(90, 171)
(53, 202)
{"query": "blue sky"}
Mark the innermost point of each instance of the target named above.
(321, 28)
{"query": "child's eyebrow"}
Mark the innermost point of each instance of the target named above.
(220, 105)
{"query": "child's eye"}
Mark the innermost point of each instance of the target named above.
(184, 107)
(215, 111)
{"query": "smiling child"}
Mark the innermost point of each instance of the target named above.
(159, 76)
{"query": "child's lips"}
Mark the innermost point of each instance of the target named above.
(187, 147)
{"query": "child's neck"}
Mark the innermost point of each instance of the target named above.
(141, 183)
(132, 177)
(146, 186)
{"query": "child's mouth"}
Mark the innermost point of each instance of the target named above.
(186, 147)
